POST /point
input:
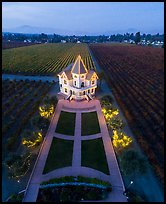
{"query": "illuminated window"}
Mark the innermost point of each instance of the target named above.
(65, 82)
(93, 82)
(80, 93)
(82, 76)
(75, 76)
(65, 90)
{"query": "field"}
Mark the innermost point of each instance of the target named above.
(44, 59)
(14, 44)
(136, 77)
(20, 100)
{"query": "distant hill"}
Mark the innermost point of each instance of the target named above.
(37, 30)
(29, 29)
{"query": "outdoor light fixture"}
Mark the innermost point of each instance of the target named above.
(125, 192)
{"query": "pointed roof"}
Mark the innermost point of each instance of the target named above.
(90, 74)
(68, 68)
(79, 66)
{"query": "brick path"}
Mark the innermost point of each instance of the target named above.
(76, 169)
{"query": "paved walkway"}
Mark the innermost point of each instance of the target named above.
(76, 169)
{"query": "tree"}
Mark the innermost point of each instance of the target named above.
(116, 123)
(120, 140)
(144, 36)
(132, 36)
(46, 110)
(18, 165)
(43, 37)
(31, 139)
(39, 122)
(137, 37)
(132, 163)
(106, 100)
(35, 121)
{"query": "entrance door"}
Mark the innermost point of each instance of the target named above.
(82, 84)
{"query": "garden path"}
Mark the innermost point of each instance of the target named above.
(76, 169)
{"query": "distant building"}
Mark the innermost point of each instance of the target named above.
(76, 82)
(63, 41)
(131, 41)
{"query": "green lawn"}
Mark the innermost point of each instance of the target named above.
(90, 123)
(93, 155)
(66, 123)
(60, 155)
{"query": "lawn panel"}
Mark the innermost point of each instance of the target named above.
(60, 155)
(89, 123)
(66, 123)
(93, 155)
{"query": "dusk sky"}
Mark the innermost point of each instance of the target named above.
(82, 18)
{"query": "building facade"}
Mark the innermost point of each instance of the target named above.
(76, 82)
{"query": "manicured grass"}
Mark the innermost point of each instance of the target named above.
(60, 155)
(90, 123)
(93, 155)
(66, 123)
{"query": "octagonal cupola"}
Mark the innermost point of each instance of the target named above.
(79, 72)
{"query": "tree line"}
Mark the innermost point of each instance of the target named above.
(55, 38)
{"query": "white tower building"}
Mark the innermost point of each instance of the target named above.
(76, 82)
